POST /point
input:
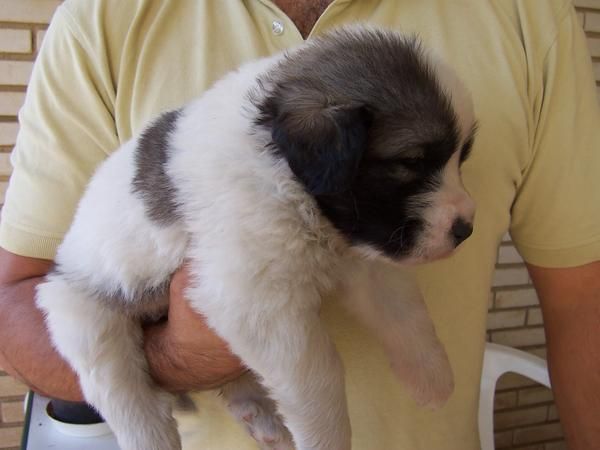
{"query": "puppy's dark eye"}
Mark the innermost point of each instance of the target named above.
(414, 164)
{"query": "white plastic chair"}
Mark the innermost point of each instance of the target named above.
(498, 360)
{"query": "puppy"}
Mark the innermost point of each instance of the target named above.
(321, 169)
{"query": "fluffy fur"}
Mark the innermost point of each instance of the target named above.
(321, 169)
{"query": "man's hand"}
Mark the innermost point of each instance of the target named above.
(570, 300)
(184, 353)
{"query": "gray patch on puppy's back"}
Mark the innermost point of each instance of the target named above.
(151, 181)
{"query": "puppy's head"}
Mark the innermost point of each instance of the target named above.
(376, 129)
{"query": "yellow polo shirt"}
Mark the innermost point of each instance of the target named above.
(107, 66)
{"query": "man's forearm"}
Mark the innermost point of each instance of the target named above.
(183, 353)
(27, 353)
(570, 300)
(26, 350)
(178, 367)
(574, 361)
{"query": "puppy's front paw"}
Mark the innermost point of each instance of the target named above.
(263, 423)
(428, 377)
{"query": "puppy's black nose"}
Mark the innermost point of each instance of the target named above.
(461, 230)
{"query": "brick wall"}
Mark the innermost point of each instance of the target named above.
(526, 417)
(22, 25)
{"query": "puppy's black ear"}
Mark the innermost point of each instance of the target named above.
(322, 144)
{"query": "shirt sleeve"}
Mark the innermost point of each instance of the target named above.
(67, 128)
(556, 213)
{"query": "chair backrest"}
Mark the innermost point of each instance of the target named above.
(498, 360)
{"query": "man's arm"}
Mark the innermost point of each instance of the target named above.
(570, 300)
(25, 348)
(183, 353)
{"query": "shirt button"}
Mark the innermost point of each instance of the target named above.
(277, 27)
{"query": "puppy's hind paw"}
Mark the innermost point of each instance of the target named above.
(263, 424)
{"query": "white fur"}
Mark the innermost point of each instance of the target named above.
(456, 91)
(445, 205)
(261, 257)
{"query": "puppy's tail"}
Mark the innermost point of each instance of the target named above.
(104, 347)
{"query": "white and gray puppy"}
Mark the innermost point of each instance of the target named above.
(322, 169)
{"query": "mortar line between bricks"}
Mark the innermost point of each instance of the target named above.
(511, 287)
(517, 408)
(17, 57)
(12, 398)
(532, 347)
(17, 87)
(521, 407)
(11, 424)
(534, 384)
(23, 26)
(5, 425)
(517, 327)
(12, 88)
(6, 402)
(32, 41)
(510, 265)
(554, 440)
(513, 308)
(529, 444)
(520, 427)
(524, 407)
